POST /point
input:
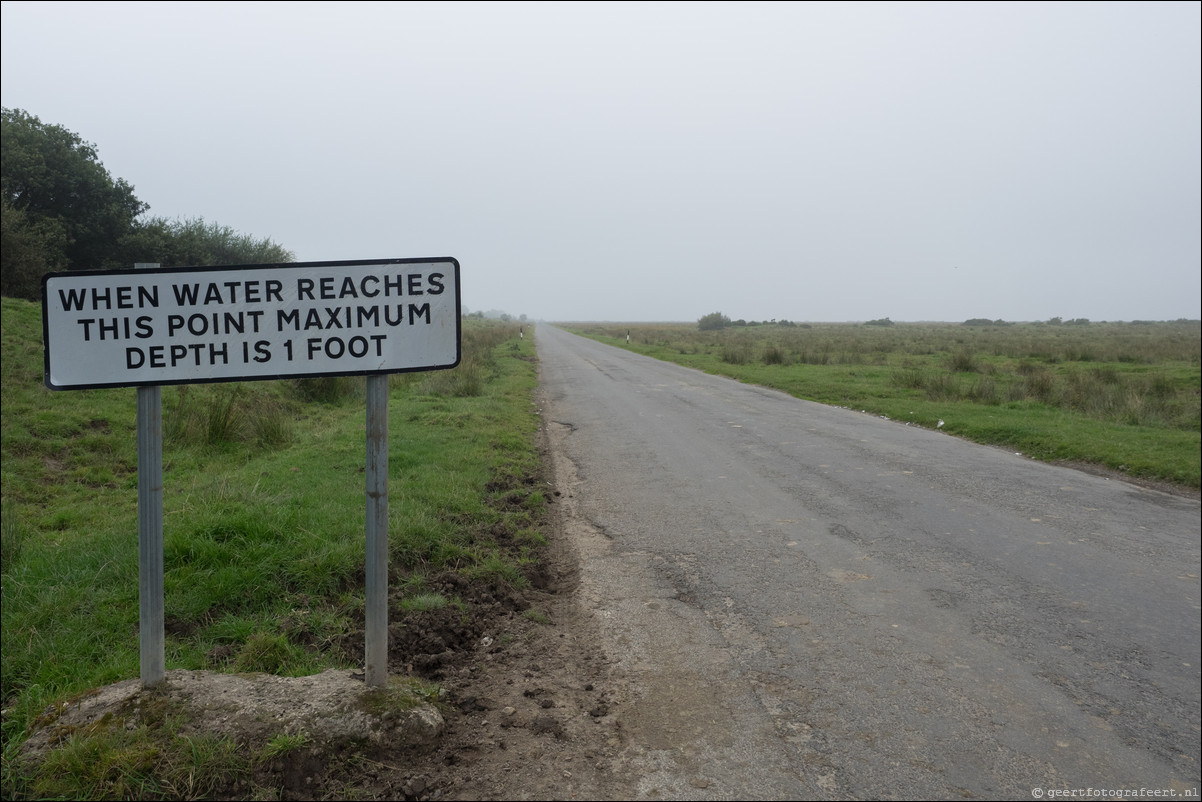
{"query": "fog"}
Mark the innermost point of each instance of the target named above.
(648, 161)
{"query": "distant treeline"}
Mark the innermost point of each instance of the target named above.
(716, 321)
(62, 210)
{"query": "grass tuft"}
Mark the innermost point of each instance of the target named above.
(268, 654)
(424, 602)
(12, 539)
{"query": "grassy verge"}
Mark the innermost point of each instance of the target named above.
(1126, 396)
(264, 518)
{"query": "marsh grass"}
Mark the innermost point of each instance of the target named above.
(477, 365)
(220, 416)
(963, 360)
(264, 521)
(329, 389)
(1130, 390)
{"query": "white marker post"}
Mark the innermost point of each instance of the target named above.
(153, 326)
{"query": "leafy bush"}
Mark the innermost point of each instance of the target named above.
(196, 242)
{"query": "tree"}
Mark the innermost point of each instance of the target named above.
(713, 321)
(55, 179)
(27, 250)
(62, 210)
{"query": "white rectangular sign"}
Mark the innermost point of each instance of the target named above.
(121, 328)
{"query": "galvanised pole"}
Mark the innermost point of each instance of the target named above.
(150, 531)
(376, 632)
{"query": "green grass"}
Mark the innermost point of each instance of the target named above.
(120, 757)
(264, 518)
(538, 616)
(116, 763)
(1126, 396)
(424, 601)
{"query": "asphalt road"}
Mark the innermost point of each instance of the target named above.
(812, 602)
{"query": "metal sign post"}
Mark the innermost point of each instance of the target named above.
(375, 636)
(152, 660)
(152, 326)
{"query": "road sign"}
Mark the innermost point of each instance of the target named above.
(124, 328)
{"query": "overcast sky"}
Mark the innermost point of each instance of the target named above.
(646, 161)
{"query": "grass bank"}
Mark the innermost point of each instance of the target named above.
(264, 521)
(1126, 396)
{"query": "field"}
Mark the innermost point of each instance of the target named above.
(264, 521)
(1123, 396)
(265, 512)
